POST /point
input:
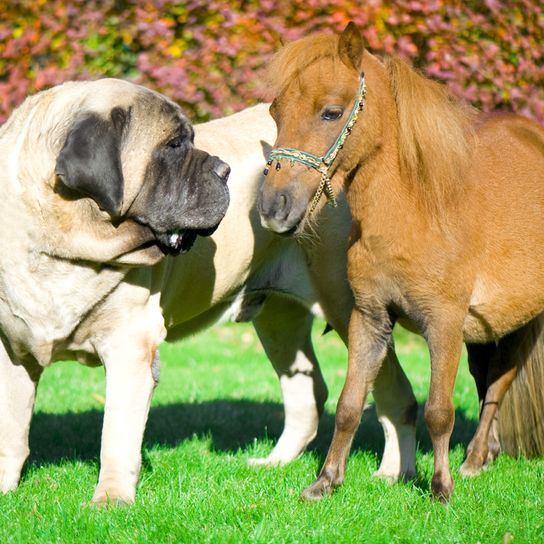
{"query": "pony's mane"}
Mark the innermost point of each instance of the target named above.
(435, 131)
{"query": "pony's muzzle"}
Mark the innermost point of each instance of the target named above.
(275, 208)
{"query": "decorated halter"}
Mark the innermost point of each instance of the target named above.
(322, 164)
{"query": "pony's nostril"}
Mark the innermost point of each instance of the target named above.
(282, 206)
(222, 170)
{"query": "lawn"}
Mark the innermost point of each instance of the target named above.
(218, 403)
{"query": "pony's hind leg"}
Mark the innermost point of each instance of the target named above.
(369, 336)
(284, 328)
(501, 370)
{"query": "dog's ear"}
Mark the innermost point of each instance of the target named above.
(89, 162)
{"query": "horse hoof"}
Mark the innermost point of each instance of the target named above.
(319, 489)
(469, 470)
(442, 490)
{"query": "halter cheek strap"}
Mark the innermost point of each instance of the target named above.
(322, 164)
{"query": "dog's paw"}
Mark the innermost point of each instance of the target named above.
(9, 480)
(392, 477)
(269, 461)
(106, 496)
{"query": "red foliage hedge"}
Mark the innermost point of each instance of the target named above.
(210, 55)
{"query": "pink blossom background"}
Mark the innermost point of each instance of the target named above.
(210, 56)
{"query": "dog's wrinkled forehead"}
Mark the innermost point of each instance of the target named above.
(152, 116)
(163, 118)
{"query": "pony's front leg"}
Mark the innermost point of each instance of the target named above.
(17, 394)
(368, 338)
(131, 374)
(284, 328)
(445, 346)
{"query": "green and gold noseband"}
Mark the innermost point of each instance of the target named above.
(322, 164)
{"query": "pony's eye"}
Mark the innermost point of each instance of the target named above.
(331, 113)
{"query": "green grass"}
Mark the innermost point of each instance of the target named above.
(218, 404)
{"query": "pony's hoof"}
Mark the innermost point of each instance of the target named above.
(442, 490)
(470, 470)
(476, 462)
(319, 489)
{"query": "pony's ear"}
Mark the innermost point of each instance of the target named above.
(89, 163)
(351, 47)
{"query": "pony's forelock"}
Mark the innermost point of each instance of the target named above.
(294, 57)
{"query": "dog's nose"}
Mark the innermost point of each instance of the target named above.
(222, 170)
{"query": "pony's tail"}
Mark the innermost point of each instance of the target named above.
(521, 415)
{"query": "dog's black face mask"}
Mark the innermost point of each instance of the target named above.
(184, 191)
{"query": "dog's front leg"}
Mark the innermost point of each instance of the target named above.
(131, 375)
(17, 392)
(284, 328)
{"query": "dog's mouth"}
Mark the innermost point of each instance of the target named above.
(180, 241)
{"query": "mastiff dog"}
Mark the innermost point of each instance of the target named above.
(99, 181)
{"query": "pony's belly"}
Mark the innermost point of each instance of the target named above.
(479, 330)
(491, 319)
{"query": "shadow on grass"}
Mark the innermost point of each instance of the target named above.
(231, 424)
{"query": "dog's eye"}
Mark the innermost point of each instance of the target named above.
(331, 113)
(175, 142)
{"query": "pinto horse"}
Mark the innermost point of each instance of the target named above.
(447, 233)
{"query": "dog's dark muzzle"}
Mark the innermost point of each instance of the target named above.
(183, 201)
(221, 170)
(205, 195)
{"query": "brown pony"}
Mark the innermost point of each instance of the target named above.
(447, 235)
